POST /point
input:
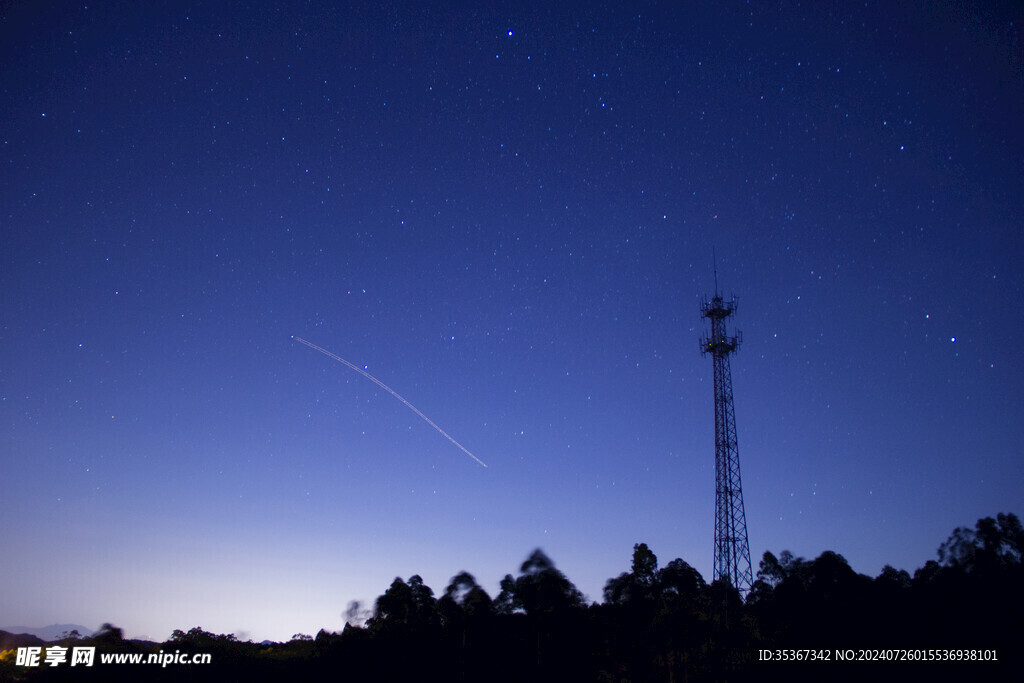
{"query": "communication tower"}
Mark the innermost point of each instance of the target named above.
(732, 551)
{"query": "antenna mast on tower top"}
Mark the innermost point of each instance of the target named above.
(714, 263)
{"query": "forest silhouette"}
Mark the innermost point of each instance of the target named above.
(654, 624)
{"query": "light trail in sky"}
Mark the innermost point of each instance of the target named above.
(391, 391)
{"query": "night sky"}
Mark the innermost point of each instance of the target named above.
(507, 215)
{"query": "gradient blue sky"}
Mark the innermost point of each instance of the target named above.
(507, 214)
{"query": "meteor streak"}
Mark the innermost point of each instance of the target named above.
(391, 391)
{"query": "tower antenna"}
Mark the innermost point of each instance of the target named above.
(714, 265)
(732, 549)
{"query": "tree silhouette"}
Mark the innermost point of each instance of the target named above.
(972, 593)
(543, 589)
(405, 606)
(679, 580)
(405, 621)
(822, 600)
(656, 623)
(466, 613)
(993, 544)
(892, 578)
(109, 635)
(638, 585)
(505, 602)
(355, 615)
(464, 599)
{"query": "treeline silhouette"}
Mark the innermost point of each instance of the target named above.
(654, 624)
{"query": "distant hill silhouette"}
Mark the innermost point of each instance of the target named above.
(51, 632)
(11, 640)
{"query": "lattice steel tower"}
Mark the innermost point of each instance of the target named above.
(732, 551)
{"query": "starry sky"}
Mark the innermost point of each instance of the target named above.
(507, 213)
